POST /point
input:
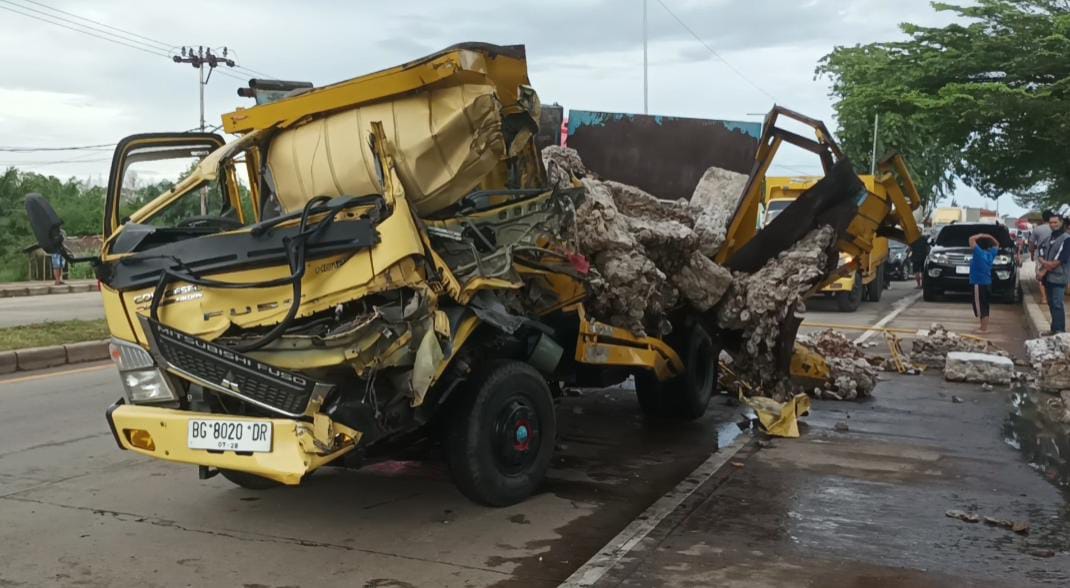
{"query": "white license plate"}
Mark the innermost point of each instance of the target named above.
(962, 269)
(228, 435)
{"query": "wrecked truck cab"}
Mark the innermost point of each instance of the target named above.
(394, 271)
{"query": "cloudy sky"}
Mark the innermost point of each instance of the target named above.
(64, 88)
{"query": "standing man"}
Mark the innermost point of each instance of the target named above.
(1041, 232)
(57, 268)
(1053, 265)
(985, 247)
(919, 250)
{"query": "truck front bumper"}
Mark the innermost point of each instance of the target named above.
(297, 447)
(844, 284)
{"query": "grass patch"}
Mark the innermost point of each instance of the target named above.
(52, 333)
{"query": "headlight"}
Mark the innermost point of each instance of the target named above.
(1003, 275)
(146, 386)
(142, 381)
(940, 258)
(845, 258)
(1002, 260)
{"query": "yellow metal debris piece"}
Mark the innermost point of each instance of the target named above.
(780, 419)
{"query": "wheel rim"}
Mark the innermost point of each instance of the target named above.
(516, 436)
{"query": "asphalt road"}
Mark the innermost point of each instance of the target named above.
(28, 310)
(78, 511)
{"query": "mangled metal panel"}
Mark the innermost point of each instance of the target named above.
(663, 155)
(446, 141)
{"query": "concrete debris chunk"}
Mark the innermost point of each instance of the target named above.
(853, 372)
(1050, 357)
(562, 164)
(716, 197)
(981, 368)
(645, 253)
(758, 303)
(932, 348)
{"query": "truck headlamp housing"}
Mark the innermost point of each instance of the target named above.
(1002, 260)
(940, 258)
(142, 381)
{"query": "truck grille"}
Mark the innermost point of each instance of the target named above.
(232, 373)
(958, 258)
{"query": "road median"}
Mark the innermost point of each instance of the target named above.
(17, 289)
(44, 345)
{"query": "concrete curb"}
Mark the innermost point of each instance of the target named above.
(35, 358)
(30, 289)
(1038, 320)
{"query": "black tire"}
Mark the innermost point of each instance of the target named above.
(687, 396)
(849, 301)
(249, 481)
(876, 288)
(502, 434)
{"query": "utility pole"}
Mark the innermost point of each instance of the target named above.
(199, 58)
(873, 158)
(645, 108)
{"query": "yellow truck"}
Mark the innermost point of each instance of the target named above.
(862, 276)
(392, 274)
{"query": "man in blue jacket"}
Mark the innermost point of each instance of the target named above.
(985, 247)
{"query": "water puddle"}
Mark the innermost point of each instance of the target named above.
(1039, 426)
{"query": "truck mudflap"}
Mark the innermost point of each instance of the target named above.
(297, 447)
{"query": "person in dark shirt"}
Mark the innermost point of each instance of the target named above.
(919, 250)
(985, 247)
(1053, 269)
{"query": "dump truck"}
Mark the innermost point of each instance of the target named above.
(863, 276)
(398, 272)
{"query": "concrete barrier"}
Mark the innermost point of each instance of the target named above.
(15, 289)
(37, 290)
(87, 351)
(36, 358)
(64, 289)
(8, 362)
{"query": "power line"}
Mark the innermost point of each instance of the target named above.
(161, 44)
(152, 46)
(53, 161)
(84, 32)
(249, 69)
(75, 148)
(714, 51)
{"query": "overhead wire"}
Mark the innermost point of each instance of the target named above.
(143, 49)
(73, 148)
(122, 37)
(161, 44)
(715, 53)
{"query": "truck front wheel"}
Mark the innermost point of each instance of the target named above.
(501, 437)
(685, 397)
(849, 301)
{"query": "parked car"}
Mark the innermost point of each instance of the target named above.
(948, 265)
(898, 266)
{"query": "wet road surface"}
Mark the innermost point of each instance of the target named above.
(867, 507)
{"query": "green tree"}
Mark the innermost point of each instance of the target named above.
(984, 99)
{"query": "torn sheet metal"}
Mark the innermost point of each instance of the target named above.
(779, 419)
(450, 141)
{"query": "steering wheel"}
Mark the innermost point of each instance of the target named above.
(209, 221)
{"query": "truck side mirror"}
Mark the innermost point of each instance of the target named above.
(46, 224)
